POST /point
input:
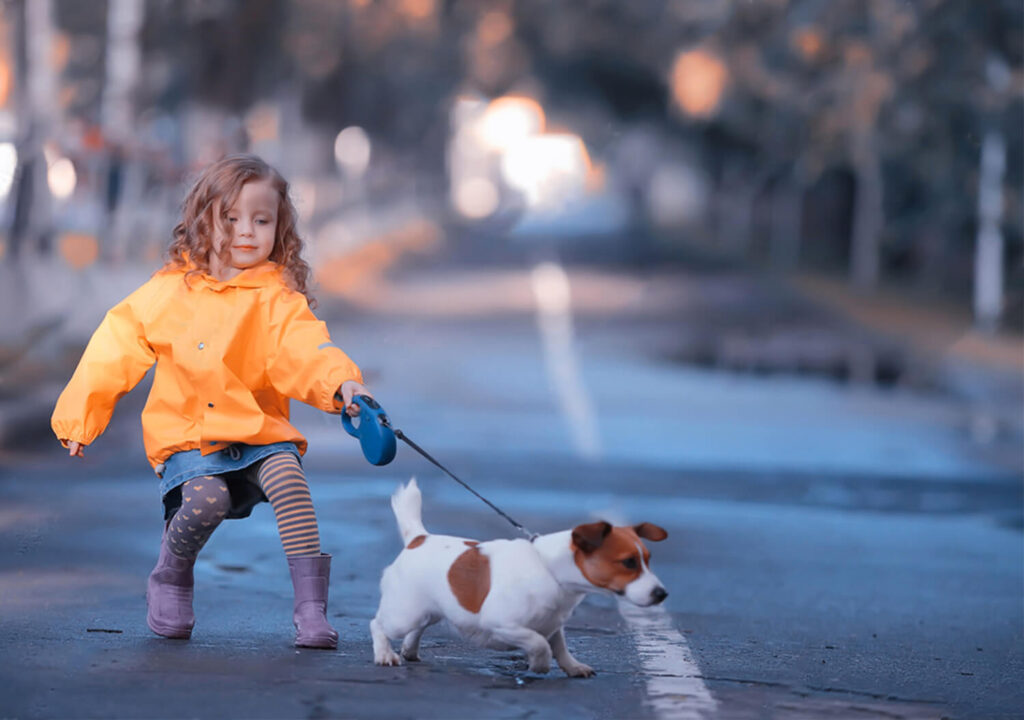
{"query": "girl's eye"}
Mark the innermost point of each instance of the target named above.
(630, 563)
(232, 219)
(261, 221)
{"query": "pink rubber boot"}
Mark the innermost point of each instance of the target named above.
(169, 595)
(311, 576)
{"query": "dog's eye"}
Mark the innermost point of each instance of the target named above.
(630, 563)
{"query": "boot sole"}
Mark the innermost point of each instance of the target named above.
(318, 644)
(169, 631)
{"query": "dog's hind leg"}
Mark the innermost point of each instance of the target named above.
(411, 643)
(535, 645)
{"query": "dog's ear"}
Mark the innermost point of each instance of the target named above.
(589, 537)
(650, 531)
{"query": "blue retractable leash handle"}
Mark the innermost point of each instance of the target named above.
(377, 440)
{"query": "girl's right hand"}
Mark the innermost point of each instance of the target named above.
(76, 449)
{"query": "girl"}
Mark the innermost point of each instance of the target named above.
(228, 323)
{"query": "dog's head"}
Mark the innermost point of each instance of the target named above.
(616, 559)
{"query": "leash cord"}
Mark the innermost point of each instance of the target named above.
(402, 436)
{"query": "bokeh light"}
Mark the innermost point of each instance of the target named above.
(698, 81)
(352, 150)
(62, 178)
(475, 197)
(508, 120)
(550, 170)
(79, 250)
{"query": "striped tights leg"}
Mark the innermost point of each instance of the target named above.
(282, 480)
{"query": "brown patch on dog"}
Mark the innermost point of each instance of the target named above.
(416, 542)
(613, 557)
(470, 579)
(470, 543)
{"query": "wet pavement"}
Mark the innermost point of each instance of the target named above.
(834, 550)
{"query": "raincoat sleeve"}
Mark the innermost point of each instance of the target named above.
(114, 361)
(304, 363)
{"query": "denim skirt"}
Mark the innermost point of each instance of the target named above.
(237, 465)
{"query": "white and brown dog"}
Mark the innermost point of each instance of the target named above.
(506, 593)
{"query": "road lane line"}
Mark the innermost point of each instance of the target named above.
(554, 321)
(675, 690)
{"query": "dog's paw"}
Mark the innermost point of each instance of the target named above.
(540, 667)
(579, 670)
(389, 658)
(410, 656)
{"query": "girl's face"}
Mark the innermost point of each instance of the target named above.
(253, 224)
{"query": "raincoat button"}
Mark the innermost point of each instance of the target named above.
(202, 345)
(209, 404)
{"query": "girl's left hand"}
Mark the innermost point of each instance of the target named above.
(349, 389)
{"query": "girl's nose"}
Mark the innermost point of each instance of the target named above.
(245, 228)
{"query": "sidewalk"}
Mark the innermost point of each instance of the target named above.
(985, 372)
(942, 332)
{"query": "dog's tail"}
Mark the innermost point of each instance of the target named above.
(407, 502)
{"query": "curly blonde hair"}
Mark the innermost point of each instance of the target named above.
(216, 190)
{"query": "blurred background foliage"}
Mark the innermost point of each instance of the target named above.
(879, 141)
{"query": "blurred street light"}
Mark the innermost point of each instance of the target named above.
(503, 144)
(550, 170)
(508, 120)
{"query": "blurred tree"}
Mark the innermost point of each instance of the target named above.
(391, 67)
(844, 129)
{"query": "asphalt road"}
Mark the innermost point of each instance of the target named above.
(833, 552)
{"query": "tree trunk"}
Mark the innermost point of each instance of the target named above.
(787, 212)
(867, 215)
(988, 256)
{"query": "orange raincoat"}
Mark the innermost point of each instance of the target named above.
(228, 356)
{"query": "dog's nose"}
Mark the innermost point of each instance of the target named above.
(658, 594)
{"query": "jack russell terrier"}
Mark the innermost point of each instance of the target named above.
(506, 594)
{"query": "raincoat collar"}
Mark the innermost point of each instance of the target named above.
(266, 273)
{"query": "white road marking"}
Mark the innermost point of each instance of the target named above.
(675, 690)
(554, 320)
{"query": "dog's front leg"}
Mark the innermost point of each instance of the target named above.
(538, 652)
(571, 666)
(383, 653)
